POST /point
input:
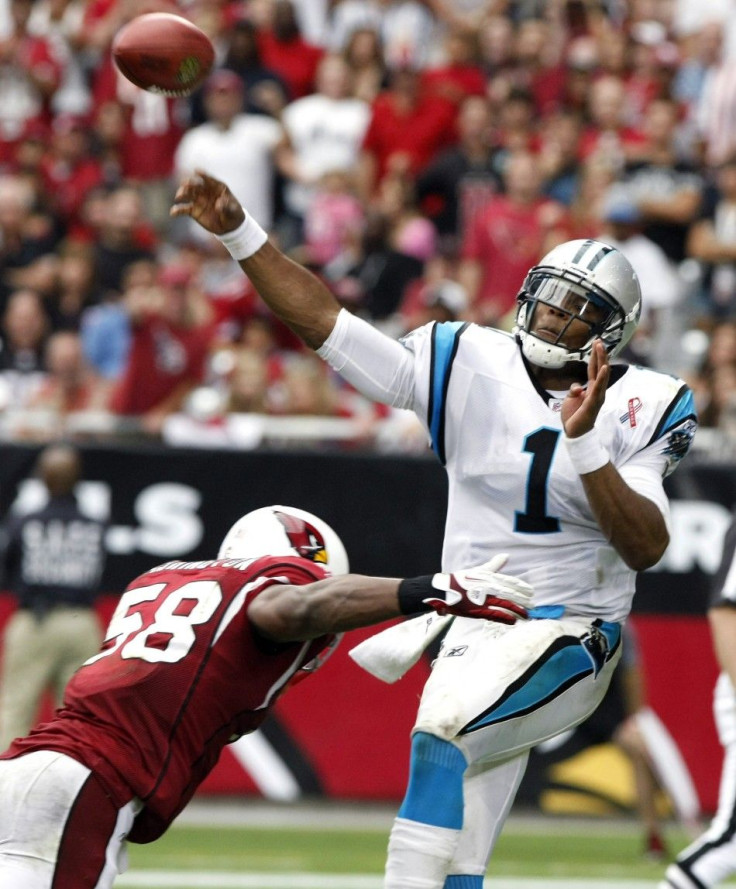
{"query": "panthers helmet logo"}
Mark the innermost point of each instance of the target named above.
(304, 538)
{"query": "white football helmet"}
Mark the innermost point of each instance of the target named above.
(579, 272)
(285, 531)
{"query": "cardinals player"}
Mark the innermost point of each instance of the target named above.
(196, 654)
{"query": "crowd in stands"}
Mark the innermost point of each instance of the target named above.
(418, 155)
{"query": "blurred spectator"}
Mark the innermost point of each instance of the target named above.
(716, 113)
(264, 90)
(75, 288)
(309, 388)
(26, 231)
(496, 39)
(152, 126)
(407, 129)
(396, 243)
(667, 188)
(505, 239)
(558, 155)
(609, 133)
(459, 75)
(284, 50)
(171, 336)
(537, 64)
(334, 219)
(61, 23)
(240, 148)
(325, 131)
(712, 242)
(30, 74)
(462, 178)
(406, 27)
(581, 65)
(364, 56)
(516, 123)
(68, 171)
(701, 51)
(248, 390)
(714, 384)
(23, 332)
(656, 340)
(106, 328)
(653, 62)
(595, 177)
(123, 237)
(70, 384)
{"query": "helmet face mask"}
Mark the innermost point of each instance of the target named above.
(285, 531)
(583, 281)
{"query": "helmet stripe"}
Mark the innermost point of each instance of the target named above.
(581, 251)
(604, 251)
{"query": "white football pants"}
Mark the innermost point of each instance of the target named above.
(58, 827)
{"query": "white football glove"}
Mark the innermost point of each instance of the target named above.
(482, 592)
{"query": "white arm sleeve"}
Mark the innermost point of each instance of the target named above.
(379, 367)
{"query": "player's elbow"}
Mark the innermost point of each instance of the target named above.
(646, 553)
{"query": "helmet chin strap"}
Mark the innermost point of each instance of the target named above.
(550, 355)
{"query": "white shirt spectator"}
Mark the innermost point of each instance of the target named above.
(326, 135)
(241, 155)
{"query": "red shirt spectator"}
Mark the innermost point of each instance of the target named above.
(168, 351)
(30, 73)
(67, 170)
(284, 50)
(407, 128)
(505, 239)
(154, 125)
(461, 75)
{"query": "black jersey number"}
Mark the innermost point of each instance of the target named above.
(534, 520)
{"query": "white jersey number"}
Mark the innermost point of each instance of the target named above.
(167, 635)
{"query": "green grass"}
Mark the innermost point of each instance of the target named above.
(525, 849)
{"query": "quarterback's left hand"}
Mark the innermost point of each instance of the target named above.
(482, 592)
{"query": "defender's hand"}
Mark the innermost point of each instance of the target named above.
(482, 592)
(209, 202)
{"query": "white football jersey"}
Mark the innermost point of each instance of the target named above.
(512, 487)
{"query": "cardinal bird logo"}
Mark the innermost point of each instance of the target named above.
(304, 538)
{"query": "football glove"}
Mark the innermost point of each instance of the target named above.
(482, 592)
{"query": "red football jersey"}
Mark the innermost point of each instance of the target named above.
(181, 673)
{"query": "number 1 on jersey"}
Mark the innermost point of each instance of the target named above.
(534, 520)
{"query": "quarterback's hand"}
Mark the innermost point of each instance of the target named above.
(482, 592)
(209, 202)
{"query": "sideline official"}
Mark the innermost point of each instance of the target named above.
(52, 561)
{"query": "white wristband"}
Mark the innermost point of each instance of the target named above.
(245, 240)
(586, 452)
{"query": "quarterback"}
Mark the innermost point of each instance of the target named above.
(196, 655)
(553, 455)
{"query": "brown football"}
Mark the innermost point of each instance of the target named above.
(163, 53)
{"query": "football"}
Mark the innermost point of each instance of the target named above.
(163, 53)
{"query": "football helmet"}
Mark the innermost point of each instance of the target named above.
(574, 277)
(285, 531)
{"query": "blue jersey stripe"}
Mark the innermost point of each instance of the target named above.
(680, 409)
(445, 339)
